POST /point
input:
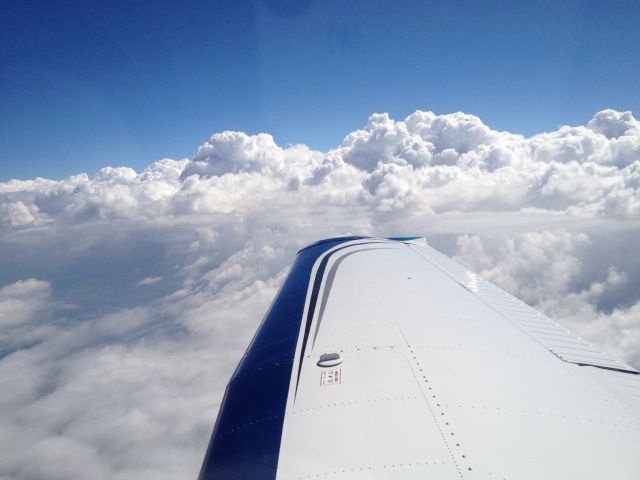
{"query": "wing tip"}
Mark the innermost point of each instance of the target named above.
(408, 240)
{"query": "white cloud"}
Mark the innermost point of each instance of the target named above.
(126, 299)
(614, 124)
(20, 302)
(17, 214)
(148, 281)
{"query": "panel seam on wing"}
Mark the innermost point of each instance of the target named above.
(349, 403)
(351, 470)
(634, 425)
(415, 374)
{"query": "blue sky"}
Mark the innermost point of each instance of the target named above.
(89, 84)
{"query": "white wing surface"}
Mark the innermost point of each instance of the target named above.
(440, 374)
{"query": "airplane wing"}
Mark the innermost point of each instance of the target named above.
(384, 359)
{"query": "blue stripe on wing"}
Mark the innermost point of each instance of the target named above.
(245, 443)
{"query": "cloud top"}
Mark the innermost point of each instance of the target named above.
(426, 162)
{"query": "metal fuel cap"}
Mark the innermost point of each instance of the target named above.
(330, 360)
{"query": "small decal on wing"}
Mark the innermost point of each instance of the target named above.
(330, 377)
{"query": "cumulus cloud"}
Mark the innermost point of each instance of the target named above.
(127, 298)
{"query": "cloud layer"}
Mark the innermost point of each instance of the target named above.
(126, 299)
